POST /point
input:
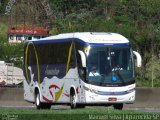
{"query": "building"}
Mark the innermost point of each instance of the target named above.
(21, 33)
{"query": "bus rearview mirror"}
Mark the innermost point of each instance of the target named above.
(138, 59)
(83, 58)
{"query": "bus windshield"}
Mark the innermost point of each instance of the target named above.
(110, 66)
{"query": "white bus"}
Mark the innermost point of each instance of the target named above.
(78, 69)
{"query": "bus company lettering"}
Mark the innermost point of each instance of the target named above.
(104, 40)
(52, 71)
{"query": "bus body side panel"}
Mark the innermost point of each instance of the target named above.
(30, 64)
(55, 90)
(28, 92)
(54, 73)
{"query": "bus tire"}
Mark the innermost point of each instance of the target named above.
(73, 100)
(46, 106)
(38, 103)
(118, 106)
(81, 106)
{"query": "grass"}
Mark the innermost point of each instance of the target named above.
(69, 114)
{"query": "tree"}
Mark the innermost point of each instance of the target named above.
(3, 4)
(12, 53)
(65, 7)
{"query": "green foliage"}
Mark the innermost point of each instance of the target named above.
(11, 53)
(65, 7)
(138, 20)
(3, 4)
(3, 33)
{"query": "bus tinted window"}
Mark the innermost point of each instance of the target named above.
(56, 53)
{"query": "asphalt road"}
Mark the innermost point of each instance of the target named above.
(147, 100)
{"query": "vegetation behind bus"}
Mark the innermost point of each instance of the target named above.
(137, 20)
(12, 53)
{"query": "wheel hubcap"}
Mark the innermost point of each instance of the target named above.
(37, 100)
(74, 99)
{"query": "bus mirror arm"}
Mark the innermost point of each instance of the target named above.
(139, 59)
(83, 58)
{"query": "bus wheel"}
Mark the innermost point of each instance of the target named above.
(73, 101)
(38, 103)
(118, 106)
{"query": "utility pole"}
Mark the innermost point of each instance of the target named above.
(152, 65)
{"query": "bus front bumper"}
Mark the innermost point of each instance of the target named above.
(92, 97)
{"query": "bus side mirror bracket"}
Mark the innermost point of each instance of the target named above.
(139, 59)
(83, 58)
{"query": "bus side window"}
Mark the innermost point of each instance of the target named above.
(79, 64)
(73, 58)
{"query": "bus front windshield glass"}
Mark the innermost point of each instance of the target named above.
(110, 66)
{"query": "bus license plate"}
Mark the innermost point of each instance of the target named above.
(112, 99)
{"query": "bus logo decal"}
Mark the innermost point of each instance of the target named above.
(57, 95)
(52, 71)
(69, 57)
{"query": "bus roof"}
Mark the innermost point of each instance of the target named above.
(89, 37)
